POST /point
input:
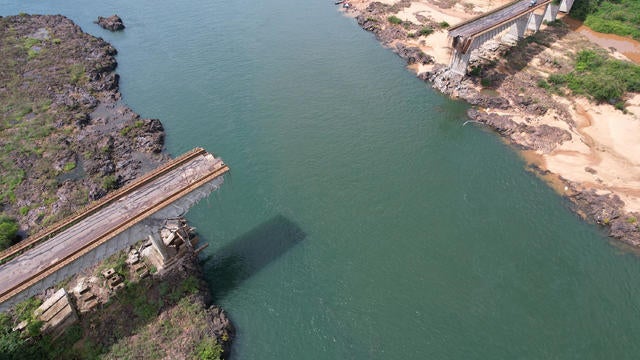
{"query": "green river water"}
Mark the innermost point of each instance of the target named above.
(361, 220)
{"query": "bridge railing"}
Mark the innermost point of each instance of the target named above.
(451, 28)
(96, 206)
(43, 273)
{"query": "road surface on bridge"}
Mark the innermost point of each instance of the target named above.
(497, 17)
(135, 203)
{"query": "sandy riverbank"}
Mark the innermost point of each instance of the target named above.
(588, 152)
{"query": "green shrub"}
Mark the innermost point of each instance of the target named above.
(475, 71)
(8, 232)
(485, 82)
(600, 77)
(209, 349)
(394, 20)
(32, 53)
(24, 309)
(33, 328)
(557, 79)
(77, 73)
(29, 42)
(554, 23)
(109, 182)
(426, 31)
(444, 24)
(580, 9)
(69, 166)
(542, 83)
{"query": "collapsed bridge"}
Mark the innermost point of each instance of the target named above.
(511, 20)
(117, 221)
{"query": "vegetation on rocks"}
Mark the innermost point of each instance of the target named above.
(8, 232)
(156, 318)
(59, 112)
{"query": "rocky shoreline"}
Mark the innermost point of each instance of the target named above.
(63, 81)
(508, 109)
(68, 139)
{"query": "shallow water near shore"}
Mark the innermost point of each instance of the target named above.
(360, 220)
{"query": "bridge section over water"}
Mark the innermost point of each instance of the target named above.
(108, 226)
(514, 19)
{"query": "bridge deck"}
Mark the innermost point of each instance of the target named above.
(107, 219)
(497, 17)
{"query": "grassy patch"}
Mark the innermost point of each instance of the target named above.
(542, 83)
(426, 31)
(394, 20)
(109, 182)
(599, 77)
(611, 26)
(69, 166)
(77, 74)
(209, 349)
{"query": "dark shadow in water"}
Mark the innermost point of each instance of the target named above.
(250, 253)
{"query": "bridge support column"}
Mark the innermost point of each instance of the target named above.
(519, 27)
(535, 21)
(460, 59)
(565, 6)
(159, 245)
(550, 13)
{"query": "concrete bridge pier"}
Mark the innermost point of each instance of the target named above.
(565, 5)
(517, 29)
(551, 12)
(460, 58)
(535, 21)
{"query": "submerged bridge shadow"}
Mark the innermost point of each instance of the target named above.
(249, 253)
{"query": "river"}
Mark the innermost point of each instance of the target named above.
(361, 220)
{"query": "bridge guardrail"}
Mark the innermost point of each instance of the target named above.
(90, 209)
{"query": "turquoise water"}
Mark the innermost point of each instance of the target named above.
(361, 219)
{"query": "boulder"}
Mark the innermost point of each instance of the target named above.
(113, 23)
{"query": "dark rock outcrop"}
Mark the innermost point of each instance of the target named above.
(606, 210)
(413, 54)
(113, 23)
